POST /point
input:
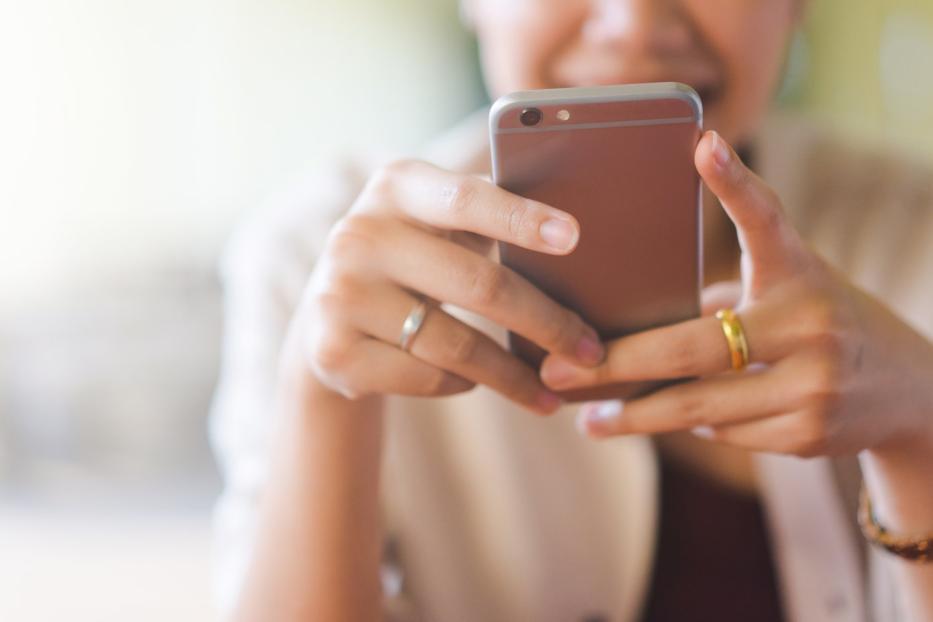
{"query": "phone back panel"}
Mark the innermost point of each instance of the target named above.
(622, 164)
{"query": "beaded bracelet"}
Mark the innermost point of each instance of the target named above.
(915, 549)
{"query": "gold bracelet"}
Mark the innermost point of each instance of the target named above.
(915, 549)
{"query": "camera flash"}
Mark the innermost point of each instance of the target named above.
(563, 115)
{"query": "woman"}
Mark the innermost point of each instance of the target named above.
(475, 510)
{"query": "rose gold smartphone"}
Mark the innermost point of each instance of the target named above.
(620, 159)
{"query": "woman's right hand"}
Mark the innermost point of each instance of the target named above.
(415, 232)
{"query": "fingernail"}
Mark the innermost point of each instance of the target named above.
(558, 234)
(590, 349)
(558, 373)
(721, 153)
(599, 416)
(580, 423)
(549, 402)
(703, 431)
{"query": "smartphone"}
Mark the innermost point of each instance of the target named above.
(620, 159)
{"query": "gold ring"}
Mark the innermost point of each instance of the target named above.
(735, 337)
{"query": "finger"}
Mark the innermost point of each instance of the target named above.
(450, 273)
(479, 244)
(451, 201)
(374, 367)
(687, 349)
(452, 345)
(720, 295)
(692, 348)
(719, 400)
(695, 347)
(784, 434)
(764, 234)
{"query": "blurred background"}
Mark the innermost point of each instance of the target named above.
(133, 136)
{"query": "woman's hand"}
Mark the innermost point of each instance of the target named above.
(833, 370)
(416, 232)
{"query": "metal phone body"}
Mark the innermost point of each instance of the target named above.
(620, 159)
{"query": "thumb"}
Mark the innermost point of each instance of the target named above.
(767, 239)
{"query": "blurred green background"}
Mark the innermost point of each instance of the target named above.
(133, 136)
(867, 68)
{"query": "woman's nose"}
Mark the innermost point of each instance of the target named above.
(638, 25)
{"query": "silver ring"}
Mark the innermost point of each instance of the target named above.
(412, 325)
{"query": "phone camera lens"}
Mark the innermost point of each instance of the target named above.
(530, 116)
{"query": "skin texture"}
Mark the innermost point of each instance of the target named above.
(836, 371)
(831, 361)
(415, 206)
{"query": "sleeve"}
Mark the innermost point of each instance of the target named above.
(883, 213)
(263, 271)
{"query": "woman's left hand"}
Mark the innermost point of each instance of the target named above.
(832, 370)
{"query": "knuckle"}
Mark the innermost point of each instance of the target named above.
(381, 184)
(831, 348)
(768, 217)
(811, 438)
(401, 167)
(743, 179)
(823, 316)
(824, 391)
(352, 382)
(346, 287)
(341, 293)
(366, 226)
(772, 219)
(461, 198)
(773, 214)
(331, 304)
(825, 402)
(353, 237)
(329, 354)
(487, 284)
(517, 219)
